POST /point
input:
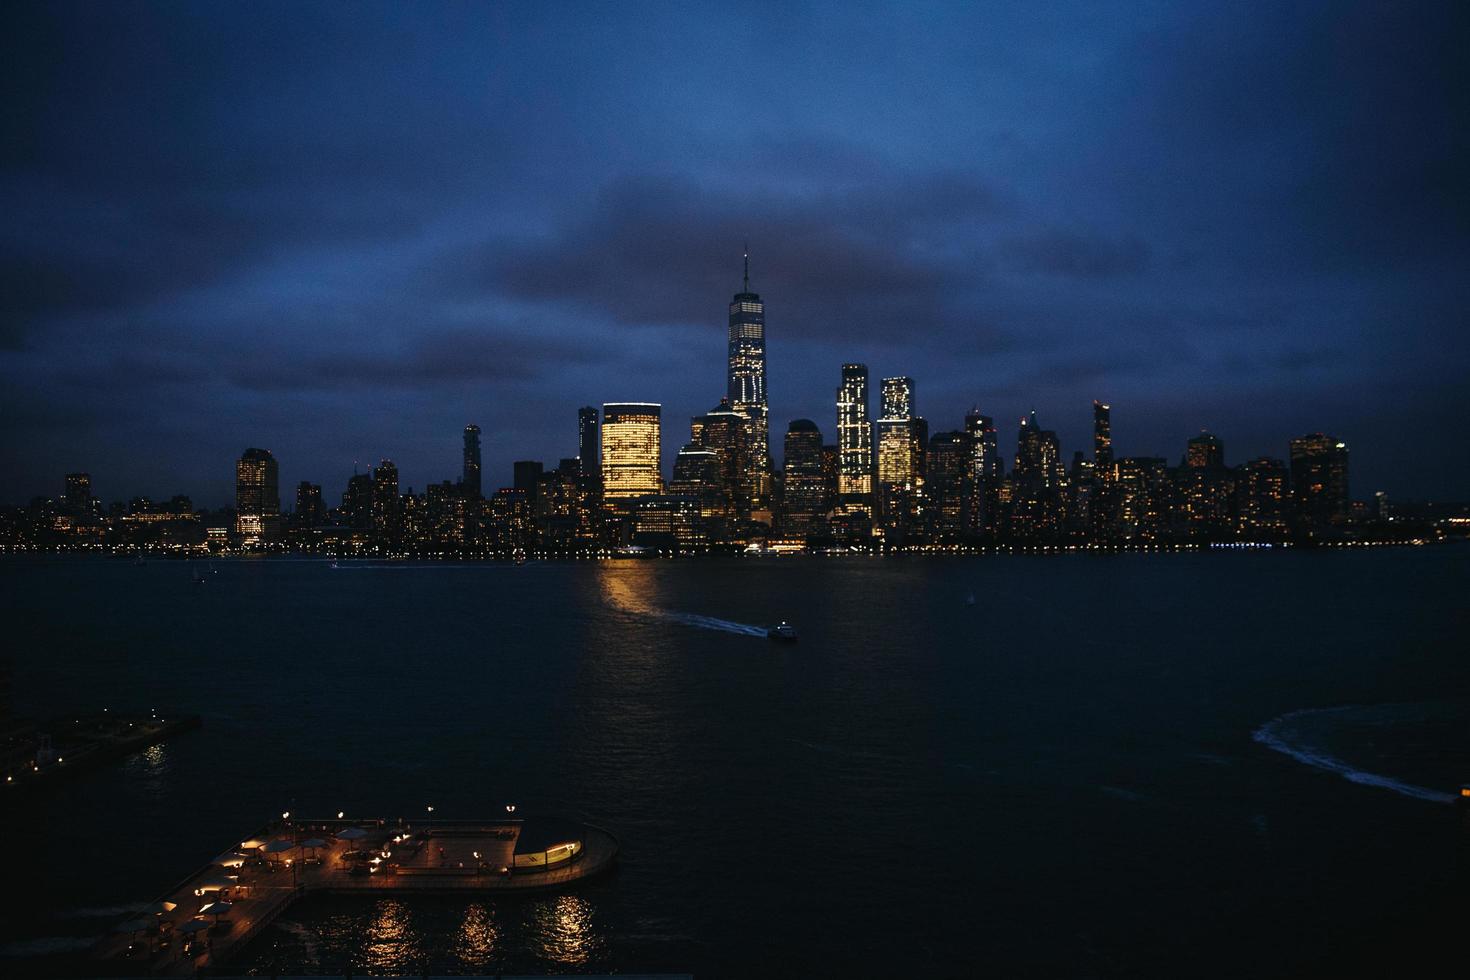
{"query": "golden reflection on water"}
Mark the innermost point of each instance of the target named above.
(478, 938)
(391, 943)
(566, 931)
(626, 587)
(154, 756)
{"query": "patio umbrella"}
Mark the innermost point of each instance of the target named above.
(280, 846)
(134, 925)
(215, 883)
(193, 925)
(216, 909)
(158, 908)
(313, 843)
(351, 833)
(230, 859)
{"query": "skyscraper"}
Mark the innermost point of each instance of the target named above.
(309, 510)
(257, 497)
(1102, 436)
(746, 385)
(726, 433)
(854, 442)
(587, 439)
(1204, 452)
(948, 485)
(987, 470)
(357, 501)
(78, 492)
(630, 451)
(1319, 478)
(471, 478)
(900, 455)
(805, 499)
(387, 507)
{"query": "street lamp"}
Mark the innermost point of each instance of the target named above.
(510, 808)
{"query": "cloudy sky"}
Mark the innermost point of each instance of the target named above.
(342, 231)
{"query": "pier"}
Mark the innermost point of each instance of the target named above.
(215, 912)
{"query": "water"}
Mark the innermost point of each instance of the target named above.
(1229, 764)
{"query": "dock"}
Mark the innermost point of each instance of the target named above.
(215, 912)
(36, 755)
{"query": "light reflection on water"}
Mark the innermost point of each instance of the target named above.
(392, 937)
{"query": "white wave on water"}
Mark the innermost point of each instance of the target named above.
(45, 946)
(1273, 736)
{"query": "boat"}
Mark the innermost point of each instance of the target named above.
(782, 632)
(634, 551)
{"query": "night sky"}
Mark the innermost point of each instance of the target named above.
(343, 231)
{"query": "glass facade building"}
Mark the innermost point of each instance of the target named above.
(745, 386)
(630, 451)
(854, 441)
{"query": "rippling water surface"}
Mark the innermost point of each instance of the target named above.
(1103, 767)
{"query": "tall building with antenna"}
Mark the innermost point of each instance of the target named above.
(745, 385)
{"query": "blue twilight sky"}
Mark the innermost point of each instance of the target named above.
(342, 231)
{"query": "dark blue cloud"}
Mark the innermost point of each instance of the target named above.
(346, 231)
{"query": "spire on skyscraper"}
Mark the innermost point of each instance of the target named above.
(747, 267)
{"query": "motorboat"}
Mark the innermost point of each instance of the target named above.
(782, 632)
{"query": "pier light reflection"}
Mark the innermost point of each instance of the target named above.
(568, 931)
(478, 938)
(392, 945)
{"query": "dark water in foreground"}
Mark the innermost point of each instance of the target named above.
(1060, 780)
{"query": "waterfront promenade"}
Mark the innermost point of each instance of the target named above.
(208, 917)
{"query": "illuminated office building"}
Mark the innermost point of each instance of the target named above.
(1038, 505)
(1144, 492)
(854, 442)
(1206, 487)
(726, 433)
(1204, 452)
(699, 476)
(257, 497)
(900, 439)
(806, 497)
(471, 478)
(1319, 478)
(357, 501)
(630, 451)
(746, 387)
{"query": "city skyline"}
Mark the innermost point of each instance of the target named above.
(349, 247)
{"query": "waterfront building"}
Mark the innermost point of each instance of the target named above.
(257, 496)
(669, 522)
(1261, 498)
(745, 388)
(444, 511)
(900, 453)
(948, 486)
(805, 499)
(309, 510)
(987, 470)
(1143, 501)
(854, 442)
(630, 451)
(699, 475)
(1319, 479)
(510, 524)
(526, 475)
(1038, 503)
(387, 504)
(357, 502)
(471, 475)
(587, 451)
(726, 433)
(78, 497)
(1206, 488)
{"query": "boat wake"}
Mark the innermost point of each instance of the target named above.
(624, 601)
(1279, 736)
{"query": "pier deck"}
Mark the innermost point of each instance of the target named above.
(437, 857)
